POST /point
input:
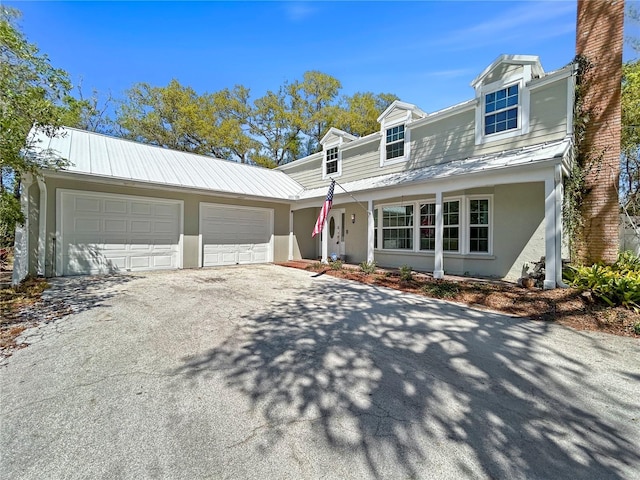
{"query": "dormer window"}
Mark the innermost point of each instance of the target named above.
(503, 97)
(501, 110)
(331, 161)
(395, 142)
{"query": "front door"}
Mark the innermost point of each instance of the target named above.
(335, 230)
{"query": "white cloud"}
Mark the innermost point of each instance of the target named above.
(299, 11)
(535, 19)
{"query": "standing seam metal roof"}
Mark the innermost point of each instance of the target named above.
(96, 154)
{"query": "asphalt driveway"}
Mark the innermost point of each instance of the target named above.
(267, 372)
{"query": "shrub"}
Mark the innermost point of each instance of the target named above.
(617, 284)
(336, 265)
(406, 274)
(441, 289)
(315, 266)
(368, 267)
(636, 328)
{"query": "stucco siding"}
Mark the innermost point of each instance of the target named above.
(518, 236)
(190, 250)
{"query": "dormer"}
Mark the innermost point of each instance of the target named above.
(331, 142)
(502, 97)
(395, 135)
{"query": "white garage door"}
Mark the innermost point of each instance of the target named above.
(232, 235)
(102, 233)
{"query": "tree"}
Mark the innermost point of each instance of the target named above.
(359, 113)
(177, 117)
(313, 103)
(630, 159)
(32, 93)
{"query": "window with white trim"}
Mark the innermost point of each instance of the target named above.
(466, 226)
(479, 225)
(428, 226)
(501, 110)
(375, 228)
(331, 161)
(394, 143)
(397, 227)
(451, 230)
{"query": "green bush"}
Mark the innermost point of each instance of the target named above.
(441, 289)
(336, 265)
(406, 274)
(617, 284)
(368, 267)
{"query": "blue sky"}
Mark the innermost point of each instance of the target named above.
(425, 52)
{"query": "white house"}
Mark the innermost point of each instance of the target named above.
(473, 189)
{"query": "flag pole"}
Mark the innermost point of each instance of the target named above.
(349, 193)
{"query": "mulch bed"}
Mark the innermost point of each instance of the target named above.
(569, 307)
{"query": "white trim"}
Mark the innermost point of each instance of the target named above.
(438, 259)
(531, 61)
(551, 77)
(325, 151)
(290, 256)
(467, 247)
(370, 233)
(524, 104)
(42, 229)
(61, 192)
(123, 182)
(384, 162)
(571, 91)
(234, 207)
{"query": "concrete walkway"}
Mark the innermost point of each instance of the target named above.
(267, 372)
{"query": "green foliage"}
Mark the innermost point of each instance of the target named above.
(368, 267)
(177, 117)
(630, 146)
(10, 215)
(617, 284)
(336, 265)
(441, 289)
(32, 93)
(636, 328)
(315, 266)
(358, 114)
(406, 273)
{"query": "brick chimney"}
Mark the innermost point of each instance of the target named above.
(599, 40)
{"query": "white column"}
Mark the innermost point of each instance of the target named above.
(558, 220)
(370, 232)
(438, 262)
(290, 234)
(325, 242)
(550, 231)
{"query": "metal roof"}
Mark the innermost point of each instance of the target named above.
(104, 156)
(511, 158)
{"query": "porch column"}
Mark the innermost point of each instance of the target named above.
(290, 235)
(370, 232)
(551, 229)
(438, 268)
(325, 242)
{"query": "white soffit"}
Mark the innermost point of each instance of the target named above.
(485, 163)
(104, 156)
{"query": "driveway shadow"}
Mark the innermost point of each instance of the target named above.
(394, 377)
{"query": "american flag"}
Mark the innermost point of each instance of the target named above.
(324, 211)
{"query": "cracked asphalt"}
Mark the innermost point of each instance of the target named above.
(267, 372)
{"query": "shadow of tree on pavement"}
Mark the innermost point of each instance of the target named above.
(392, 378)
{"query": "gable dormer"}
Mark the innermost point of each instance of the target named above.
(502, 97)
(332, 160)
(395, 136)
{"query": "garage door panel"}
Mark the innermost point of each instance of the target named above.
(232, 235)
(118, 234)
(115, 206)
(86, 204)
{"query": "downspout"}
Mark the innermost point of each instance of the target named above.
(42, 229)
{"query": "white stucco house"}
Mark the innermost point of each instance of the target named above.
(474, 189)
